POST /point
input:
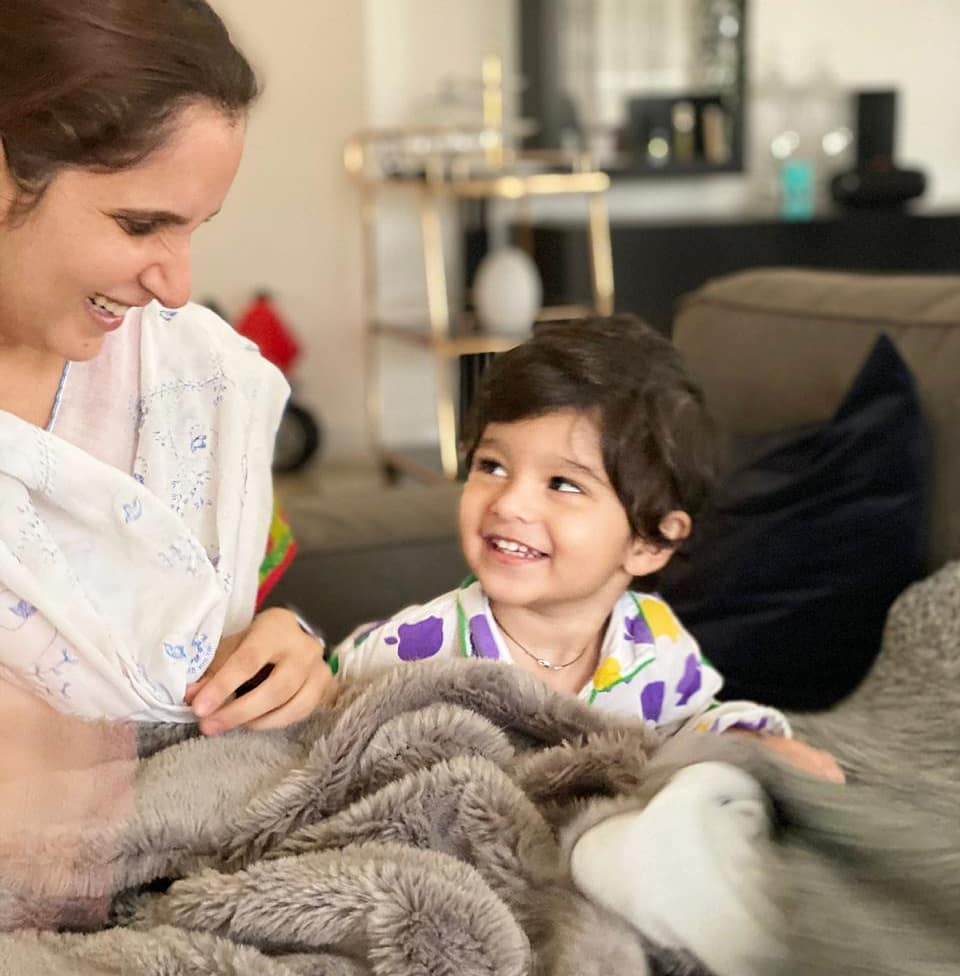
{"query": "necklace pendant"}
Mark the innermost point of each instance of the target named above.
(544, 664)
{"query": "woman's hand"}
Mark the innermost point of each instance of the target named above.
(297, 682)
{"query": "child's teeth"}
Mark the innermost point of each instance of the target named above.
(507, 545)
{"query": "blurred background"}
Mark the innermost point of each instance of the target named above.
(710, 113)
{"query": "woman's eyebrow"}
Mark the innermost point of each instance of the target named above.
(159, 216)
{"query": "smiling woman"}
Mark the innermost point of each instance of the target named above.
(136, 429)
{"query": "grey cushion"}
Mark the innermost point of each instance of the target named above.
(364, 554)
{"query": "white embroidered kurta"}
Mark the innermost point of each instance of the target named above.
(131, 533)
(649, 666)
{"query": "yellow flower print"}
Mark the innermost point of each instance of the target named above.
(660, 618)
(607, 674)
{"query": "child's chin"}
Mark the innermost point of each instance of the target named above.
(501, 591)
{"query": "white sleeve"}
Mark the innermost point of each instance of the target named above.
(744, 715)
(697, 683)
(677, 686)
(416, 633)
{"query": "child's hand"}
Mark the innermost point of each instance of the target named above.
(299, 680)
(805, 757)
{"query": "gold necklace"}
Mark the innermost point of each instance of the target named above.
(542, 661)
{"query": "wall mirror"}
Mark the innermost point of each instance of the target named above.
(647, 86)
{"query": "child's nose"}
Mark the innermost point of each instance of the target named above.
(516, 500)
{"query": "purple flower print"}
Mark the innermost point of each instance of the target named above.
(690, 683)
(758, 726)
(651, 700)
(420, 640)
(637, 630)
(481, 638)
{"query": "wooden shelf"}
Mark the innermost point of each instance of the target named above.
(468, 339)
(451, 347)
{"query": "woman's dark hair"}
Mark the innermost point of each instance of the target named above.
(658, 441)
(96, 83)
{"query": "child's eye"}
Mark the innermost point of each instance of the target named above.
(565, 484)
(489, 466)
(136, 228)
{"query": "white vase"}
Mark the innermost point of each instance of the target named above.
(507, 291)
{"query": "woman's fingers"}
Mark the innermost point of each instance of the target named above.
(277, 690)
(274, 664)
(320, 688)
(244, 663)
(193, 689)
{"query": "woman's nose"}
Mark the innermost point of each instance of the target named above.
(170, 280)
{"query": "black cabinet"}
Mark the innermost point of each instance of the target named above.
(656, 263)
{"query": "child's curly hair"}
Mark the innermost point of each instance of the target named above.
(658, 440)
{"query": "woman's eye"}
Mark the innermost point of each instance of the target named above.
(489, 466)
(565, 484)
(136, 228)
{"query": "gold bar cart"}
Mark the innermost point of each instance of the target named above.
(447, 173)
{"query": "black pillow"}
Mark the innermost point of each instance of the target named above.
(788, 576)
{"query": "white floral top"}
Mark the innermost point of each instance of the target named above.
(132, 529)
(649, 667)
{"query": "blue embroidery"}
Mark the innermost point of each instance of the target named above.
(168, 314)
(132, 510)
(43, 674)
(198, 443)
(176, 651)
(183, 555)
(203, 654)
(23, 610)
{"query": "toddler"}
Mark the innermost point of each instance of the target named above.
(589, 450)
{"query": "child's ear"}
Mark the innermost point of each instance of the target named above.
(647, 557)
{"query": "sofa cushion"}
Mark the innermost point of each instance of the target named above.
(366, 552)
(789, 574)
(776, 348)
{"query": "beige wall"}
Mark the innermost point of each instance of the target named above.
(412, 46)
(290, 221)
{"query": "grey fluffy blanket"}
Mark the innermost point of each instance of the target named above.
(423, 827)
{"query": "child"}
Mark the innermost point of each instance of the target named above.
(589, 449)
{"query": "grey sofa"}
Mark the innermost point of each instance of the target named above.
(778, 348)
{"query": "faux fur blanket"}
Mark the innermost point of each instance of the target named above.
(423, 826)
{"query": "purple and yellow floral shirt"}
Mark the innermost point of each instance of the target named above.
(649, 666)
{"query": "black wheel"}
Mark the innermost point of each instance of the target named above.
(298, 439)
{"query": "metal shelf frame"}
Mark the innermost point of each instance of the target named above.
(442, 335)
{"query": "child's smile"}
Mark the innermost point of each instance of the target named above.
(512, 551)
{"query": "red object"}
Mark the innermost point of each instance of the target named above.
(261, 323)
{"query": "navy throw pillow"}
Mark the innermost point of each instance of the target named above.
(788, 576)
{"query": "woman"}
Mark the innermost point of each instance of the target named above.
(136, 430)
